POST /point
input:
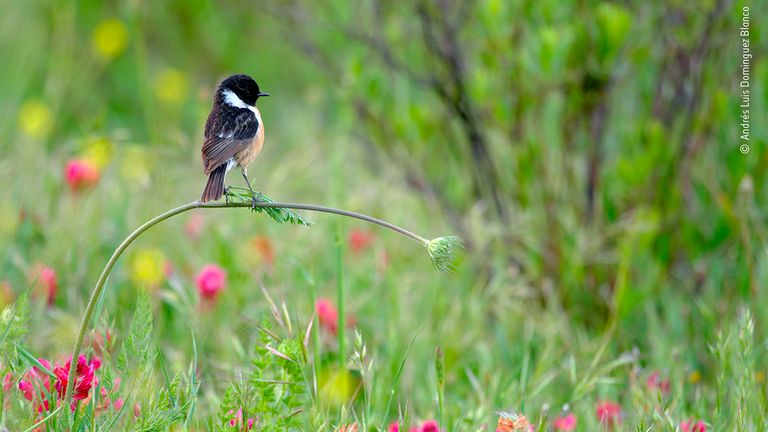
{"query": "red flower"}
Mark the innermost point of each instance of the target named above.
(327, 315)
(237, 420)
(655, 384)
(81, 174)
(84, 377)
(360, 240)
(609, 413)
(693, 426)
(566, 423)
(45, 282)
(210, 281)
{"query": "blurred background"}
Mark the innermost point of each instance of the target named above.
(586, 151)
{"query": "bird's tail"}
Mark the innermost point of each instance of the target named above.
(215, 187)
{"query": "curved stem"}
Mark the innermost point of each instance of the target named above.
(99, 288)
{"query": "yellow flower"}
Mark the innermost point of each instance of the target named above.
(109, 39)
(135, 166)
(694, 377)
(171, 86)
(336, 386)
(148, 267)
(760, 376)
(98, 151)
(35, 119)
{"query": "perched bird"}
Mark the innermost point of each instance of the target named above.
(234, 133)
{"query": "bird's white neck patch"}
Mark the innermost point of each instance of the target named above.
(231, 99)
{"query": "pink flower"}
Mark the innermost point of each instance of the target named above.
(84, 377)
(237, 420)
(655, 384)
(429, 426)
(80, 174)
(691, 426)
(393, 427)
(36, 385)
(7, 382)
(119, 402)
(194, 225)
(327, 315)
(210, 281)
(360, 240)
(45, 282)
(136, 410)
(609, 413)
(566, 423)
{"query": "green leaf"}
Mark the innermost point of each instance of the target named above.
(138, 352)
(279, 215)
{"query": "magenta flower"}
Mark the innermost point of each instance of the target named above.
(119, 402)
(656, 384)
(565, 423)
(393, 427)
(609, 413)
(327, 315)
(80, 174)
(693, 426)
(429, 426)
(210, 281)
(45, 282)
(36, 385)
(84, 377)
(237, 420)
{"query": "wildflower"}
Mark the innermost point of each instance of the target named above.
(7, 382)
(84, 377)
(359, 240)
(655, 384)
(565, 423)
(691, 426)
(35, 119)
(36, 385)
(327, 315)
(609, 413)
(98, 151)
(393, 427)
(119, 402)
(265, 249)
(45, 283)
(171, 86)
(694, 377)
(147, 267)
(136, 410)
(443, 252)
(109, 39)
(101, 342)
(513, 422)
(194, 225)
(237, 420)
(210, 281)
(429, 426)
(80, 174)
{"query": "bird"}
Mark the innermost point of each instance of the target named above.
(234, 133)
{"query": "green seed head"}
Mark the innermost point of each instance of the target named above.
(442, 251)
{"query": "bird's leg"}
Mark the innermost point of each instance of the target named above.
(254, 198)
(226, 195)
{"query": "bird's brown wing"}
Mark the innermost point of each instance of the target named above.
(226, 136)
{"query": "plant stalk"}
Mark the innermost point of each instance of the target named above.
(99, 288)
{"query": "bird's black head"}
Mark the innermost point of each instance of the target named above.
(244, 87)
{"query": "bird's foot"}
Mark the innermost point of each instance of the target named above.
(226, 195)
(255, 200)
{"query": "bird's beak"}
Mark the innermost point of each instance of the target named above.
(262, 94)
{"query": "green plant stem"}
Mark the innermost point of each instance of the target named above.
(99, 288)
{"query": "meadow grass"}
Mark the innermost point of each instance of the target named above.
(651, 315)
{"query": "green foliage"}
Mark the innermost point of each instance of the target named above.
(279, 215)
(14, 326)
(138, 353)
(276, 391)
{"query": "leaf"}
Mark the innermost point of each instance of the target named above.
(13, 324)
(138, 352)
(279, 215)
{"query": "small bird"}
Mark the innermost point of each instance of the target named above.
(234, 133)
